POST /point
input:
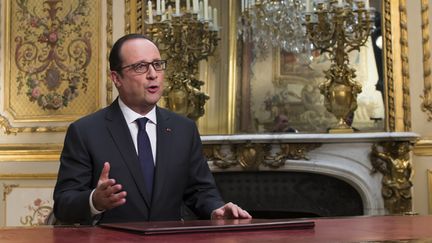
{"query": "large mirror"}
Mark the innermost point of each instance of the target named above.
(253, 89)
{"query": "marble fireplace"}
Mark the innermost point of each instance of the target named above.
(308, 175)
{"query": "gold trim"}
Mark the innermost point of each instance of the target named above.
(429, 184)
(1, 29)
(139, 18)
(423, 148)
(395, 48)
(109, 42)
(406, 103)
(232, 69)
(42, 176)
(29, 152)
(130, 16)
(426, 105)
(388, 68)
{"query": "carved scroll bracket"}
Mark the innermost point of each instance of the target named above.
(392, 160)
(7, 189)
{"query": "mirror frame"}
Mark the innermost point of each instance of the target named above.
(395, 55)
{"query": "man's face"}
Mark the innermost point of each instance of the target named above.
(139, 91)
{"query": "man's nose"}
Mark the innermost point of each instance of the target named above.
(151, 73)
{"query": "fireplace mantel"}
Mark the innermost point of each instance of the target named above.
(377, 165)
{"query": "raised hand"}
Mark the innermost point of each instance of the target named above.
(108, 194)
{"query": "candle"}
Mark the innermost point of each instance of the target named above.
(177, 6)
(242, 5)
(169, 12)
(210, 12)
(158, 7)
(367, 4)
(206, 10)
(340, 2)
(308, 6)
(215, 19)
(187, 5)
(163, 7)
(195, 6)
(150, 12)
(201, 10)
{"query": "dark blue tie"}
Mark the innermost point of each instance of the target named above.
(145, 154)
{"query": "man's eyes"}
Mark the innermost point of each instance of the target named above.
(142, 65)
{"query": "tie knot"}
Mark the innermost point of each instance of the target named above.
(142, 122)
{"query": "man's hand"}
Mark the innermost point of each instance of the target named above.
(108, 194)
(230, 211)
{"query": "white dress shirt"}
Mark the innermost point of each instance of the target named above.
(130, 117)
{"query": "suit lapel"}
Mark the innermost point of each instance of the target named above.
(163, 141)
(121, 135)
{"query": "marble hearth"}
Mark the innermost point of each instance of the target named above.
(332, 174)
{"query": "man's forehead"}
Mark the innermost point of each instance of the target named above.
(139, 49)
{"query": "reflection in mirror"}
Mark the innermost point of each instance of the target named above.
(280, 86)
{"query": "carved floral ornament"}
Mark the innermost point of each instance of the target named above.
(52, 67)
(250, 156)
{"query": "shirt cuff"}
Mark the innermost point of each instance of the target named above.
(93, 210)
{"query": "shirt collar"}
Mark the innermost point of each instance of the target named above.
(130, 115)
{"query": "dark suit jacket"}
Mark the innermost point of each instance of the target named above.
(181, 174)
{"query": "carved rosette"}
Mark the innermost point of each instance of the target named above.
(250, 156)
(392, 160)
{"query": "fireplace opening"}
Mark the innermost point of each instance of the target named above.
(274, 194)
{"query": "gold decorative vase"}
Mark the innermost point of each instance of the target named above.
(340, 96)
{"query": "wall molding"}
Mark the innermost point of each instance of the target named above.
(30, 152)
(33, 176)
(423, 147)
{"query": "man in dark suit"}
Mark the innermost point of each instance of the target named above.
(100, 177)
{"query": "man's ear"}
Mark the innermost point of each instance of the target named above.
(115, 78)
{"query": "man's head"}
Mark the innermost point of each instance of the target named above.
(280, 123)
(137, 72)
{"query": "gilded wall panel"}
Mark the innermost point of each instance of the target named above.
(52, 62)
(26, 205)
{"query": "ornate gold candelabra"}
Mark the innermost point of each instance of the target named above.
(339, 27)
(184, 39)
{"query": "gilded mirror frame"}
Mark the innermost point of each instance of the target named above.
(395, 59)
